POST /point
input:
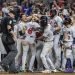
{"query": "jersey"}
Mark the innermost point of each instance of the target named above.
(30, 28)
(30, 32)
(73, 30)
(48, 34)
(58, 20)
(68, 34)
(21, 28)
(55, 22)
(65, 12)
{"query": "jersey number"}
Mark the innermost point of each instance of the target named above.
(30, 31)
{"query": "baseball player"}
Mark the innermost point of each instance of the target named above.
(73, 47)
(68, 35)
(56, 23)
(29, 42)
(39, 46)
(47, 47)
(19, 30)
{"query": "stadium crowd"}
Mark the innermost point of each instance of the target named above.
(43, 36)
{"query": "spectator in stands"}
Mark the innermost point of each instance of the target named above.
(27, 8)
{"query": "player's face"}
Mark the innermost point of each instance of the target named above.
(33, 18)
(24, 18)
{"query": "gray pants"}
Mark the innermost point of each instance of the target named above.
(57, 51)
(11, 53)
(19, 54)
(45, 55)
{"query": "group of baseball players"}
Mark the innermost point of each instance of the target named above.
(50, 39)
(45, 42)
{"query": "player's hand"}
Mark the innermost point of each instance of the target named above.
(8, 27)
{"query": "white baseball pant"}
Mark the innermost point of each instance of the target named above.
(73, 49)
(67, 54)
(33, 55)
(18, 56)
(24, 56)
(28, 43)
(57, 51)
(45, 55)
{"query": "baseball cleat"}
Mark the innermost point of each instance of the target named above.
(46, 71)
(30, 71)
(55, 70)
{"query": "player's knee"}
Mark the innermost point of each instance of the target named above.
(42, 56)
(69, 54)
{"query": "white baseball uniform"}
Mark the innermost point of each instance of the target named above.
(30, 39)
(65, 12)
(48, 44)
(68, 35)
(19, 27)
(73, 46)
(55, 22)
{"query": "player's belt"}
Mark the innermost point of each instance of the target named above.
(48, 41)
(69, 47)
(65, 41)
(31, 36)
(55, 33)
